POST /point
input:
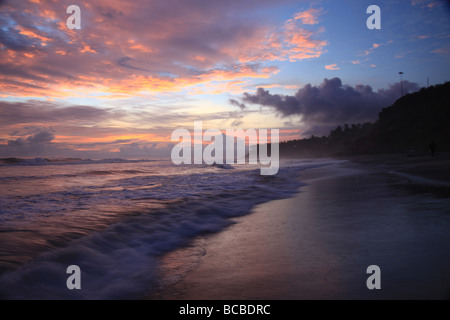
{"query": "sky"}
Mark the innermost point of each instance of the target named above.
(137, 70)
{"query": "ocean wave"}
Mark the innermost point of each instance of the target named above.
(65, 161)
(74, 175)
(121, 260)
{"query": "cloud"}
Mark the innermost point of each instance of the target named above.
(370, 51)
(42, 143)
(33, 145)
(146, 46)
(332, 67)
(34, 128)
(308, 16)
(444, 51)
(41, 137)
(236, 123)
(34, 111)
(14, 40)
(427, 3)
(144, 150)
(331, 103)
(237, 103)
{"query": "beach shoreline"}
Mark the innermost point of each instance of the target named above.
(418, 168)
(318, 243)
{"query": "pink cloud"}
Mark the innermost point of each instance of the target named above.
(142, 46)
(332, 67)
(308, 16)
(426, 3)
(444, 50)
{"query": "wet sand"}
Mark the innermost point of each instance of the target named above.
(318, 244)
(419, 168)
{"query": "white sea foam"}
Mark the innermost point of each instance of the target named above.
(116, 226)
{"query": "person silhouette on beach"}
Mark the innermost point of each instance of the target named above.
(432, 148)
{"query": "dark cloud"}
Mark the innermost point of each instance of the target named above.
(124, 62)
(34, 111)
(237, 103)
(16, 143)
(24, 84)
(34, 144)
(20, 72)
(12, 39)
(236, 123)
(331, 103)
(110, 13)
(41, 137)
(53, 72)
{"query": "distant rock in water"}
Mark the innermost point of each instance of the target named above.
(222, 166)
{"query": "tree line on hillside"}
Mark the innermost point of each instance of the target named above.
(410, 125)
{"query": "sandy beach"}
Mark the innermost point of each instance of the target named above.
(319, 243)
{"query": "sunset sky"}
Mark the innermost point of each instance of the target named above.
(137, 70)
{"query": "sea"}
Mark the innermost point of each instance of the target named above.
(116, 219)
